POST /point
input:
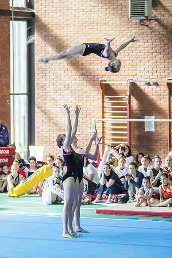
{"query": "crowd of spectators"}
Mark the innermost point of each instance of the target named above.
(140, 178)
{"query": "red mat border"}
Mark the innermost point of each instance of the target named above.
(132, 212)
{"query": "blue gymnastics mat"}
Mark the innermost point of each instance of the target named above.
(41, 236)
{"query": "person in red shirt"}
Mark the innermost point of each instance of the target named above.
(16, 167)
(16, 176)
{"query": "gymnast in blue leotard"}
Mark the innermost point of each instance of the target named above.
(146, 193)
(104, 51)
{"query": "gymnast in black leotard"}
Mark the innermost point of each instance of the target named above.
(70, 181)
(104, 51)
(79, 181)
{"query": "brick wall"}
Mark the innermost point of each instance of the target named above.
(76, 79)
(4, 4)
(5, 67)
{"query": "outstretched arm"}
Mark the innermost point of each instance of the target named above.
(94, 156)
(87, 149)
(67, 141)
(106, 50)
(124, 45)
(75, 124)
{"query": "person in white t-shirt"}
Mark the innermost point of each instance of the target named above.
(121, 170)
(126, 151)
(91, 178)
(144, 168)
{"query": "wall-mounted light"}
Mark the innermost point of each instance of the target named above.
(147, 82)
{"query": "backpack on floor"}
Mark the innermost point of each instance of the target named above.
(122, 198)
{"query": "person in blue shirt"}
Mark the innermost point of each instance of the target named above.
(4, 137)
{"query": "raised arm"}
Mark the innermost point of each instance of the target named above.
(106, 50)
(94, 156)
(75, 124)
(67, 141)
(124, 45)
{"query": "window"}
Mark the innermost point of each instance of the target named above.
(22, 88)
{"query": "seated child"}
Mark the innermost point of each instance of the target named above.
(144, 167)
(155, 173)
(168, 169)
(145, 194)
(3, 178)
(14, 178)
(110, 182)
(133, 181)
(139, 156)
(53, 192)
(32, 169)
(121, 169)
(165, 191)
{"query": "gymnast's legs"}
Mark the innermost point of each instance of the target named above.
(80, 189)
(76, 50)
(69, 186)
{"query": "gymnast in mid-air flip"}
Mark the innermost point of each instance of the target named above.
(104, 51)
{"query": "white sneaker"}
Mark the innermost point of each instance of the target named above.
(96, 201)
(108, 201)
(131, 200)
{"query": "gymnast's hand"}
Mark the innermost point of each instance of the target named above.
(98, 140)
(93, 137)
(133, 40)
(67, 109)
(77, 110)
(110, 40)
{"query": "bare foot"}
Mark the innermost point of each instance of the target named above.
(68, 235)
(42, 60)
(81, 230)
(75, 234)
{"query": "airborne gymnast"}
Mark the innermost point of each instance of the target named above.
(104, 51)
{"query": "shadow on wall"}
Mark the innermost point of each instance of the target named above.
(146, 106)
(167, 26)
(156, 3)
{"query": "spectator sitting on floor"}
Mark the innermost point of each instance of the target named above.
(133, 181)
(50, 160)
(14, 178)
(91, 178)
(125, 149)
(144, 167)
(60, 163)
(110, 182)
(167, 168)
(139, 156)
(155, 173)
(107, 159)
(146, 194)
(53, 192)
(165, 190)
(121, 169)
(31, 171)
(17, 168)
(3, 178)
(23, 164)
(4, 137)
